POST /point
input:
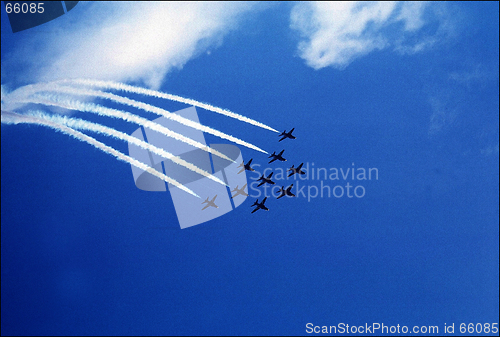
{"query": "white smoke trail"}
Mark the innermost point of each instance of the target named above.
(149, 108)
(159, 94)
(80, 124)
(54, 100)
(38, 118)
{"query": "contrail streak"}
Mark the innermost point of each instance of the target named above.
(159, 94)
(148, 108)
(126, 116)
(14, 118)
(80, 124)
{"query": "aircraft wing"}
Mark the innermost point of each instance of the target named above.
(205, 207)
(272, 160)
(281, 139)
(300, 166)
(255, 210)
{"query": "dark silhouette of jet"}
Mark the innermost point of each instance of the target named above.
(246, 166)
(286, 192)
(239, 191)
(287, 135)
(260, 205)
(266, 180)
(210, 203)
(295, 170)
(277, 156)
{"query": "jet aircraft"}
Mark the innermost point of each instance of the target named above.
(266, 180)
(286, 192)
(246, 166)
(287, 135)
(277, 156)
(260, 205)
(296, 170)
(239, 191)
(210, 203)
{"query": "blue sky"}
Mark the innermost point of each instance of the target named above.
(411, 90)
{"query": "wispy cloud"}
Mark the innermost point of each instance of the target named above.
(443, 114)
(490, 150)
(335, 33)
(458, 97)
(120, 41)
(474, 75)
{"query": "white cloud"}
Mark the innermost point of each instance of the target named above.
(119, 41)
(335, 33)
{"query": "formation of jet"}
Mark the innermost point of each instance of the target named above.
(260, 205)
(287, 135)
(295, 170)
(266, 180)
(263, 180)
(277, 156)
(210, 203)
(287, 192)
(246, 166)
(239, 191)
